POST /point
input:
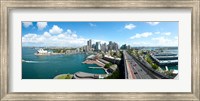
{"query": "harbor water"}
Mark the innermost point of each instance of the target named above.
(49, 66)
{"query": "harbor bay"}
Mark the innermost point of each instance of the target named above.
(47, 67)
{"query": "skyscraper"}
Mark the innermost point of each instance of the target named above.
(104, 47)
(94, 46)
(110, 45)
(98, 46)
(89, 43)
(115, 46)
(124, 46)
(128, 47)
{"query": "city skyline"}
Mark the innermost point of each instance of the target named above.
(76, 34)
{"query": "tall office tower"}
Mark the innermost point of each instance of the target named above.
(110, 45)
(128, 47)
(98, 46)
(124, 46)
(115, 46)
(104, 47)
(89, 43)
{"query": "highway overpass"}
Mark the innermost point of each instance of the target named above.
(132, 69)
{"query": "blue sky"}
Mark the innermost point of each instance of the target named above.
(76, 34)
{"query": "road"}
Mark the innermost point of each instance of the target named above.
(134, 70)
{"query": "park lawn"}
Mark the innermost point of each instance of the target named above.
(64, 76)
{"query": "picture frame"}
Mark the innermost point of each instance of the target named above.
(7, 5)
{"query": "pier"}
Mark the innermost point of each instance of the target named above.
(165, 59)
(165, 54)
(95, 67)
(84, 75)
(94, 62)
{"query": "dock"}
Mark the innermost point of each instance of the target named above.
(164, 62)
(95, 67)
(84, 75)
(94, 62)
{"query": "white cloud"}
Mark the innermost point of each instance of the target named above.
(61, 36)
(69, 31)
(145, 34)
(32, 38)
(129, 26)
(176, 37)
(141, 44)
(163, 33)
(64, 39)
(73, 35)
(167, 33)
(55, 30)
(47, 35)
(41, 25)
(162, 41)
(27, 24)
(92, 25)
(153, 23)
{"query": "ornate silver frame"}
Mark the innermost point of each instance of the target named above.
(6, 5)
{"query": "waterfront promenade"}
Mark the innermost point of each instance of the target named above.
(84, 75)
(94, 62)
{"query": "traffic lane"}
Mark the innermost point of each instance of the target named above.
(137, 68)
(140, 71)
(135, 71)
(130, 70)
(147, 71)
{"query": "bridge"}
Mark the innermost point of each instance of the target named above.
(132, 69)
(140, 69)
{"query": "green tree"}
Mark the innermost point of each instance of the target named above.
(107, 66)
(154, 66)
(150, 61)
(114, 54)
(68, 76)
(169, 73)
(115, 75)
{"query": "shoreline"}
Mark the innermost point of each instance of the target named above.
(46, 54)
(97, 63)
(93, 62)
(63, 76)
